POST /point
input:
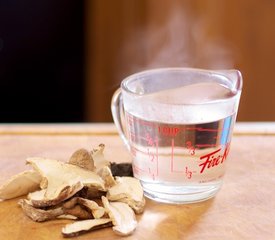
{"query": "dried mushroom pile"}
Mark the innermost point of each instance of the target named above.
(84, 189)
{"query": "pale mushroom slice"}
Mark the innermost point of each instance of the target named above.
(106, 174)
(98, 157)
(39, 199)
(62, 177)
(20, 184)
(39, 215)
(82, 158)
(123, 217)
(91, 205)
(44, 183)
(96, 210)
(37, 195)
(67, 216)
(79, 227)
(137, 206)
(128, 190)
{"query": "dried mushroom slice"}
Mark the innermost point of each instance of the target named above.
(123, 217)
(83, 159)
(66, 190)
(106, 174)
(39, 215)
(96, 210)
(79, 227)
(137, 206)
(67, 216)
(92, 206)
(128, 190)
(20, 184)
(44, 183)
(61, 177)
(79, 212)
(37, 195)
(39, 198)
(98, 157)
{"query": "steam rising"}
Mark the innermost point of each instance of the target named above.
(180, 40)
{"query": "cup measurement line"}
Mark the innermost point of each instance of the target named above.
(153, 161)
(201, 145)
(172, 163)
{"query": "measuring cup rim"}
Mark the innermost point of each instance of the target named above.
(218, 73)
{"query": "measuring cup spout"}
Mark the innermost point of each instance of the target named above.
(235, 78)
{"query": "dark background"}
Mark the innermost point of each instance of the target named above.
(62, 60)
(41, 61)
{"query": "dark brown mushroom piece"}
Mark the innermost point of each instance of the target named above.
(122, 169)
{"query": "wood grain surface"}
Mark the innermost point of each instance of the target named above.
(243, 209)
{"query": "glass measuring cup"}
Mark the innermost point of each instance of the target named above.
(177, 123)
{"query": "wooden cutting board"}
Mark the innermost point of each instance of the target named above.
(243, 209)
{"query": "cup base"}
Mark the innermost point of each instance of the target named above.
(175, 194)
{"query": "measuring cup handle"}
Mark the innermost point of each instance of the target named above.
(119, 115)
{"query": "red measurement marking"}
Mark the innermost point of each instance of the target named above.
(139, 150)
(190, 147)
(189, 173)
(145, 123)
(150, 141)
(206, 145)
(150, 155)
(131, 123)
(130, 120)
(151, 151)
(207, 130)
(202, 129)
(168, 131)
(172, 170)
(172, 156)
(132, 136)
(142, 138)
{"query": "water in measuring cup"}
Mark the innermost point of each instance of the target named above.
(181, 158)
